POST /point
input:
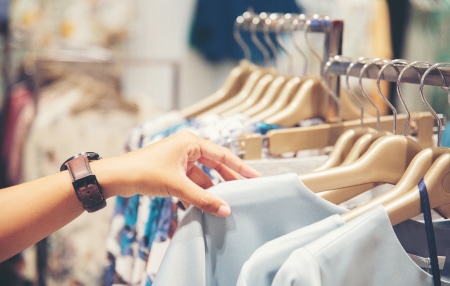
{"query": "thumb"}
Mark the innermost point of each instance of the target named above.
(204, 200)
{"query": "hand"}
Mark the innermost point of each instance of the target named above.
(167, 168)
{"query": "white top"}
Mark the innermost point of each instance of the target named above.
(208, 250)
(262, 266)
(364, 251)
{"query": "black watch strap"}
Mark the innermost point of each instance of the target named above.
(85, 184)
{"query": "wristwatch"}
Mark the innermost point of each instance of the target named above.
(86, 186)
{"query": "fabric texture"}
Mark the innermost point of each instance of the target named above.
(261, 267)
(208, 250)
(368, 245)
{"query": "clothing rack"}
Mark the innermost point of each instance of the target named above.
(434, 78)
(102, 57)
(332, 29)
(333, 39)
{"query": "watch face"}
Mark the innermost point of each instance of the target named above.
(91, 156)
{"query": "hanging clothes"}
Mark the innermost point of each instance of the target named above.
(213, 22)
(366, 244)
(207, 250)
(19, 114)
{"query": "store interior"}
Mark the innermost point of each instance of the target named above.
(103, 75)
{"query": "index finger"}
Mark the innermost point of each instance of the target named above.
(212, 153)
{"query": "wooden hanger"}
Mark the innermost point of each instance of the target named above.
(325, 135)
(233, 83)
(363, 140)
(385, 162)
(400, 147)
(259, 91)
(415, 171)
(295, 139)
(268, 98)
(347, 140)
(310, 101)
(281, 100)
(437, 180)
(249, 84)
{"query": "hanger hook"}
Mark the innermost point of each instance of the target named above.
(445, 87)
(380, 92)
(281, 20)
(334, 96)
(297, 21)
(309, 22)
(255, 21)
(352, 93)
(266, 29)
(399, 80)
(361, 74)
(237, 35)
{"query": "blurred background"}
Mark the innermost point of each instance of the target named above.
(80, 75)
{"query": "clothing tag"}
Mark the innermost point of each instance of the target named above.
(424, 262)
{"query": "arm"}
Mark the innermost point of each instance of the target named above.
(33, 210)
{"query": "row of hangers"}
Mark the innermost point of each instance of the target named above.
(391, 158)
(374, 156)
(263, 92)
(366, 151)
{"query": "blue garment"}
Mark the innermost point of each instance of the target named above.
(213, 26)
(446, 136)
(412, 236)
(425, 206)
(4, 16)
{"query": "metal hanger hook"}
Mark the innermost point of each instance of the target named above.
(399, 80)
(255, 21)
(445, 87)
(240, 20)
(367, 63)
(350, 91)
(297, 21)
(388, 103)
(308, 24)
(267, 24)
(334, 96)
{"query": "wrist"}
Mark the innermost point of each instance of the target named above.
(84, 181)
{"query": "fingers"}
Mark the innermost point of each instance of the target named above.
(202, 199)
(226, 173)
(219, 158)
(199, 177)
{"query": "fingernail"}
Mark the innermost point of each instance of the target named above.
(224, 211)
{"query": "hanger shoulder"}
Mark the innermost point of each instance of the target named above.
(243, 93)
(269, 97)
(437, 181)
(282, 100)
(343, 146)
(233, 83)
(254, 96)
(311, 100)
(384, 162)
(416, 170)
(362, 144)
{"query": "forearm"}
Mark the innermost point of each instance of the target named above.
(35, 209)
